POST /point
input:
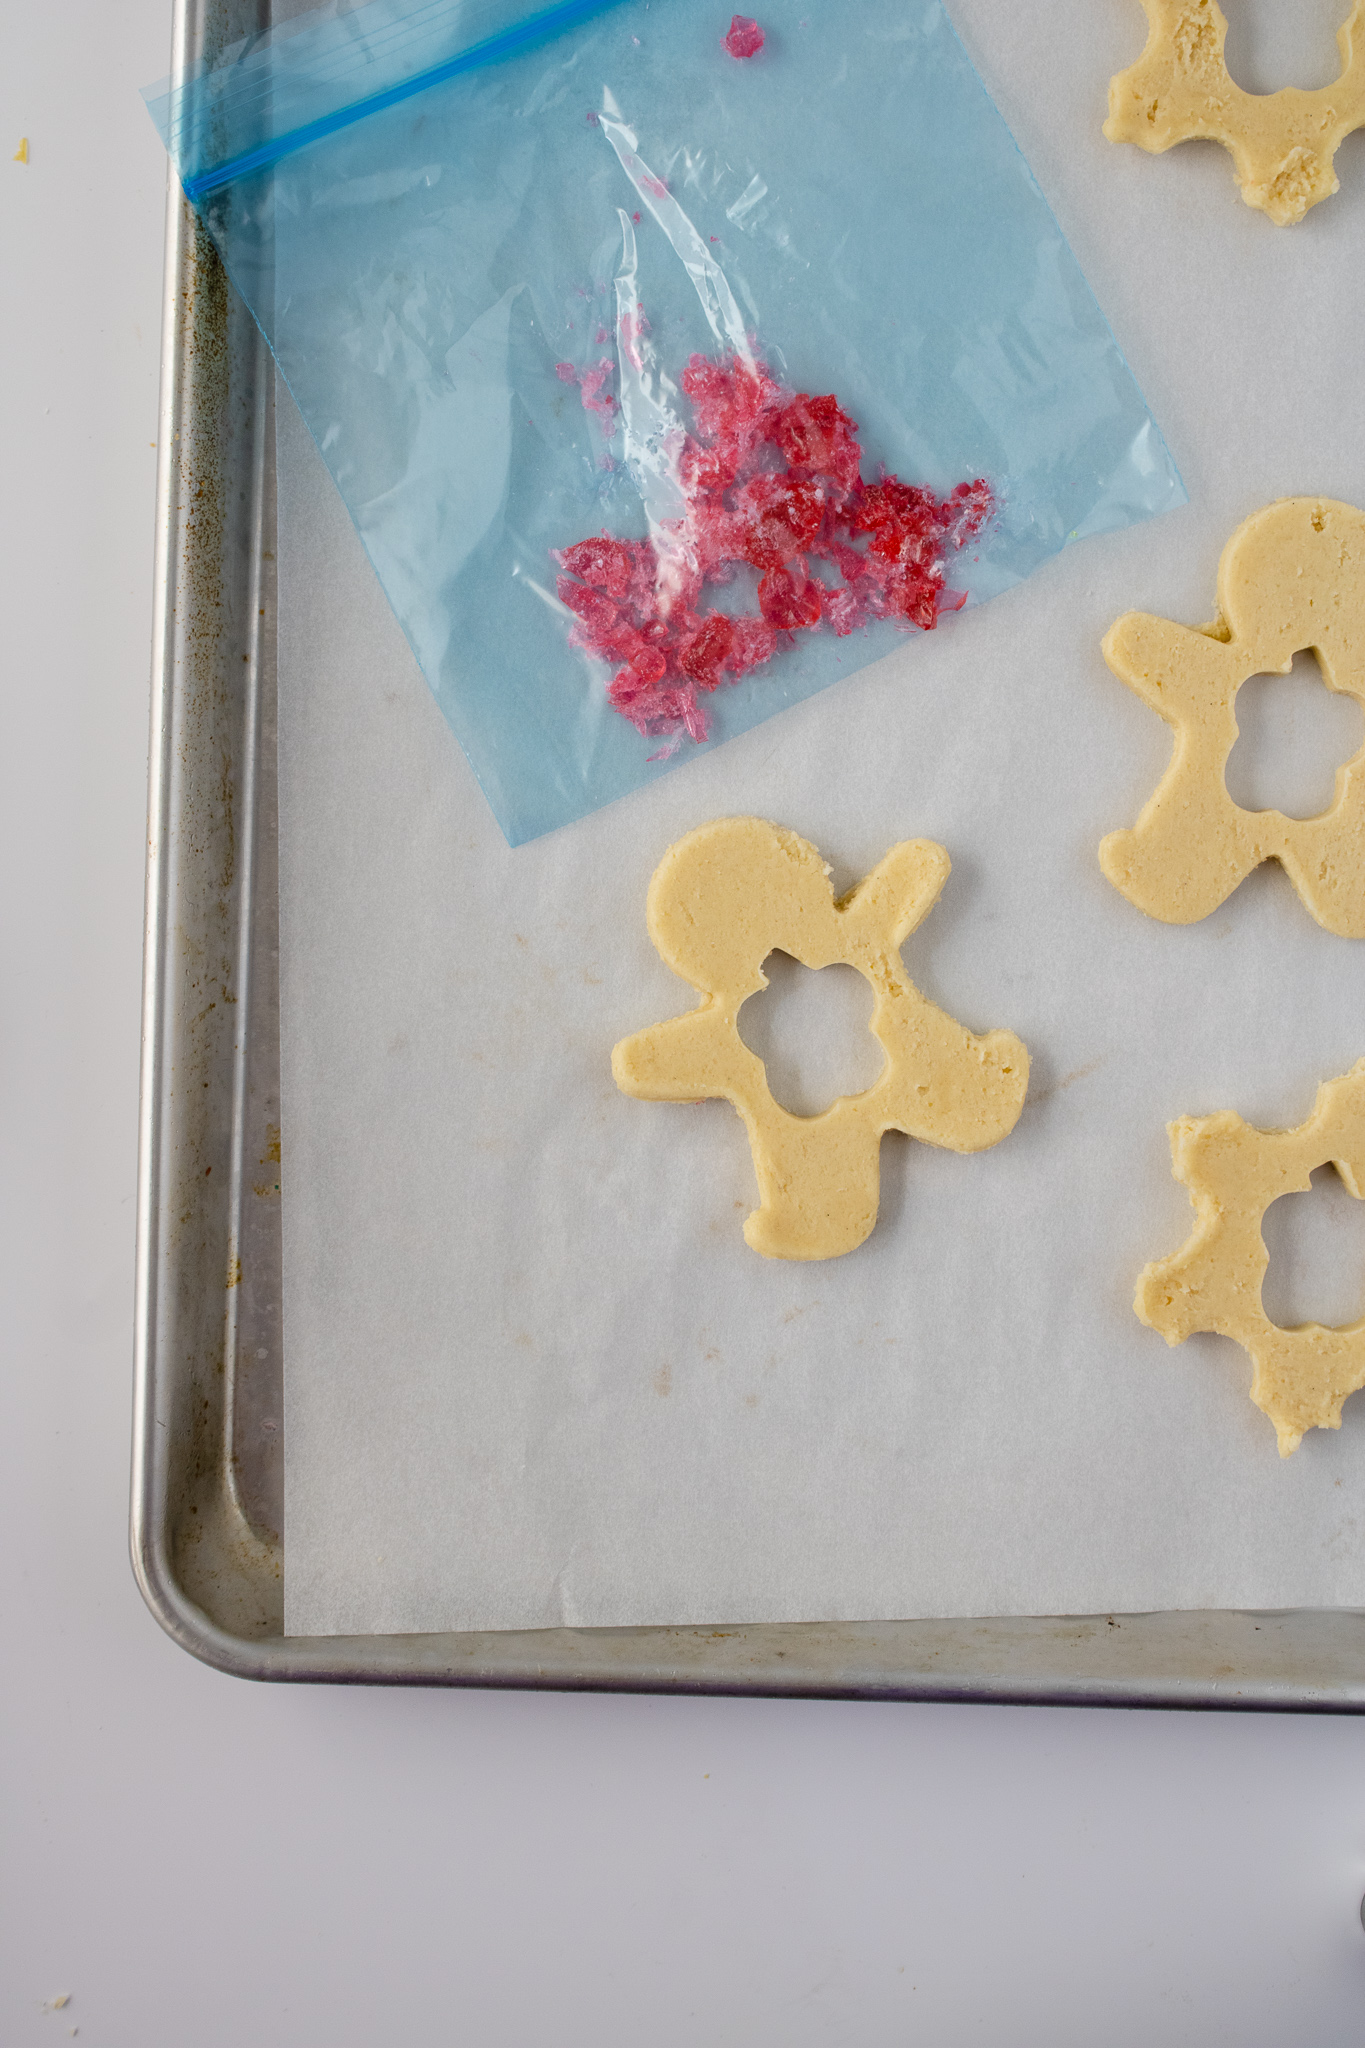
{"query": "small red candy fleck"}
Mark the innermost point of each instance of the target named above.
(843, 611)
(595, 398)
(745, 38)
(649, 666)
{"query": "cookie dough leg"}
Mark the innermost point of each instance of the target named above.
(1308, 1393)
(819, 1188)
(1172, 869)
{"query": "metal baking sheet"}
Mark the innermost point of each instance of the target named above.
(207, 1467)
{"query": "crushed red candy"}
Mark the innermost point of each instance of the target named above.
(772, 480)
(745, 38)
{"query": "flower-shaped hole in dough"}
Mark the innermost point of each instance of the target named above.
(1282, 144)
(1234, 1172)
(1291, 578)
(724, 898)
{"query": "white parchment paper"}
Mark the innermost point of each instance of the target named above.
(533, 1373)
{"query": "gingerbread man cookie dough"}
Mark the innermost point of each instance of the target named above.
(1233, 1174)
(1291, 577)
(1282, 143)
(721, 901)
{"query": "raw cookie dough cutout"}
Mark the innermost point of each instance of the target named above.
(1233, 1174)
(724, 898)
(1291, 577)
(1282, 143)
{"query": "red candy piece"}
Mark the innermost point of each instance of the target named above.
(705, 656)
(780, 517)
(605, 564)
(790, 599)
(771, 478)
(745, 38)
(598, 613)
(814, 433)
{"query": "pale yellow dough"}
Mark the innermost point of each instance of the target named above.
(1291, 577)
(1282, 143)
(1233, 1174)
(721, 901)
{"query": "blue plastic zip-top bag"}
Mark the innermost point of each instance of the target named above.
(672, 365)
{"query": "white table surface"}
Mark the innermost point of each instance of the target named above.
(200, 1862)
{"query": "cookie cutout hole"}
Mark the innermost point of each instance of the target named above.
(1271, 45)
(1316, 1244)
(1293, 735)
(810, 1028)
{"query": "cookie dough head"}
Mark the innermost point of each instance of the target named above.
(1234, 1173)
(1282, 144)
(726, 896)
(721, 901)
(1292, 577)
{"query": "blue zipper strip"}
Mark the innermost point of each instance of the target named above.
(540, 27)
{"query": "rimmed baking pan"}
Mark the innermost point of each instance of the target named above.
(207, 1458)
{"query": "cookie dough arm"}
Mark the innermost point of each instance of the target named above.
(1177, 670)
(1340, 1107)
(894, 900)
(1191, 845)
(1157, 102)
(688, 1059)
